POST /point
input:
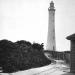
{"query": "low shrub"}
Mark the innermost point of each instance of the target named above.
(21, 55)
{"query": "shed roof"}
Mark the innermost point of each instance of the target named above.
(71, 37)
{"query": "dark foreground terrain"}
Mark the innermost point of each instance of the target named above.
(21, 55)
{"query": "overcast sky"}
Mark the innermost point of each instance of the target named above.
(28, 20)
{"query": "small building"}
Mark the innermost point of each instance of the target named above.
(72, 54)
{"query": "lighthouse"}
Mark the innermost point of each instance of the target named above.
(51, 42)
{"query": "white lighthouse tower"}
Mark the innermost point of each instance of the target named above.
(51, 43)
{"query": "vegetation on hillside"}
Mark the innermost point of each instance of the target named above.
(21, 55)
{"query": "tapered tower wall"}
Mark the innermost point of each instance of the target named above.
(51, 42)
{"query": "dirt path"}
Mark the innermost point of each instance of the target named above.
(57, 69)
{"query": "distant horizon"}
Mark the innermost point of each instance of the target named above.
(32, 43)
